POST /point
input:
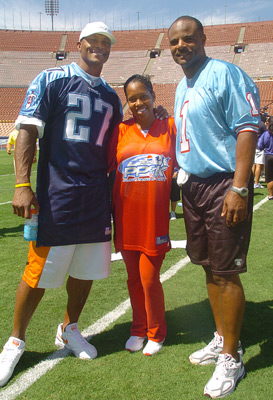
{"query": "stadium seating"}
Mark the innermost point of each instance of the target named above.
(257, 61)
(258, 32)
(23, 54)
(19, 68)
(123, 64)
(36, 41)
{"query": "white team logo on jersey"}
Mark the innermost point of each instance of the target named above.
(30, 98)
(144, 167)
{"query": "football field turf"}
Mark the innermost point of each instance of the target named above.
(44, 373)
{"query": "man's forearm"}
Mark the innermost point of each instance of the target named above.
(24, 152)
(245, 150)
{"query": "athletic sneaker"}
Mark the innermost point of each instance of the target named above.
(258, 186)
(173, 216)
(227, 374)
(134, 343)
(152, 348)
(11, 354)
(210, 353)
(72, 339)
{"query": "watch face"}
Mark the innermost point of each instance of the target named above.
(244, 191)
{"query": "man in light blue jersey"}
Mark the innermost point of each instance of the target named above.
(217, 120)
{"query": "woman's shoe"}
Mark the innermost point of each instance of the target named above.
(134, 343)
(152, 348)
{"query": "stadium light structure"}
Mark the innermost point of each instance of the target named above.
(52, 8)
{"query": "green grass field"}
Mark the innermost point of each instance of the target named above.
(117, 374)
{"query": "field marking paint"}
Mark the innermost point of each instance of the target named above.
(36, 372)
(7, 175)
(7, 202)
(1, 175)
(258, 205)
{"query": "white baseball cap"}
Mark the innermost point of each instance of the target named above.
(97, 27)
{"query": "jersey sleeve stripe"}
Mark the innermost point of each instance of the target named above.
(245, 128)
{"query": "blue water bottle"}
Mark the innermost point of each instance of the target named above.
(31, 226)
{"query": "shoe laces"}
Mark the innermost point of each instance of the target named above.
(77, 337)
(216, 341)
(224, 363)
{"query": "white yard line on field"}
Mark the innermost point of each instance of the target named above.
(258, 205)
(7, 202)
(7, 175)
(36, 372)
(12, 174)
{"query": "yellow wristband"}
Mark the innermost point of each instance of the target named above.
(22, 184)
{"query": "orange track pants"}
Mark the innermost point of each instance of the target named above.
(146, 294)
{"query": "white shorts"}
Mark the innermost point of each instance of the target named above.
(259, 157)
(47, 266)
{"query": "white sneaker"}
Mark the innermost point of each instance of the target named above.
(173, 216)
(134, 343)
(11, 354)
(258, 186)
(152, 348)
(72, 339)
(210, 353)
(227, 374)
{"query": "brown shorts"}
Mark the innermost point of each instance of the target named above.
(210, 242)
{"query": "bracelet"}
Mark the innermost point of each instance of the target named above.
(22, 184)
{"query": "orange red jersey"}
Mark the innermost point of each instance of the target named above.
(141, 193)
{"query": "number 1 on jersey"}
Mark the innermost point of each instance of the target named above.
(184, 142)
(254, 111)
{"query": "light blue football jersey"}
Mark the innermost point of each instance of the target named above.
(211, 109)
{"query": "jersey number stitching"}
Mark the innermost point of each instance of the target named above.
(99, 106)
(73, 117)
(254, 111)
(184, 142)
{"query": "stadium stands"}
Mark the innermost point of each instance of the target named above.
(11, 100)
(123, 64)
(136, 40)
(266, 94)
(23, 54)
(19, 68)
(36, 41)
(259, 32)
(257, 61)
(164, 70)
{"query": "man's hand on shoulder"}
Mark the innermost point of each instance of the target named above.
(161, 112)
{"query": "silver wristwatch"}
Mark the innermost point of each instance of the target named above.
(242, 191)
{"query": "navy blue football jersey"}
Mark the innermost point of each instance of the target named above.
(75, 114)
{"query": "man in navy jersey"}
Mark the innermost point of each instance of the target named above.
(217, 120)
(72, 111)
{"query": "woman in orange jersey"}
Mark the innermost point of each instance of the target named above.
(143, 152)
